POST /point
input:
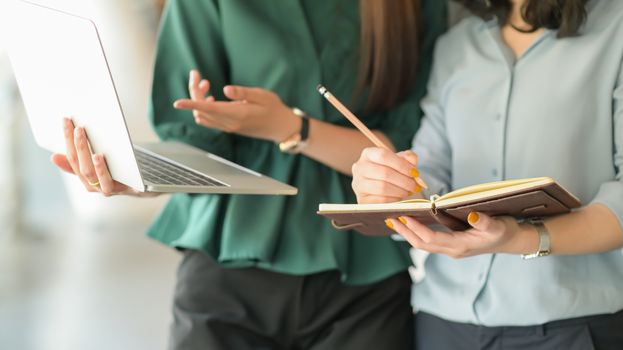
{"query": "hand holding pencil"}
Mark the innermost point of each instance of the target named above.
(362, 127)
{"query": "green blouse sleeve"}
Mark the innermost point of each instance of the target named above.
(190, 38)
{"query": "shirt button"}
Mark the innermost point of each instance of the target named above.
(498, 116)
(494, 172)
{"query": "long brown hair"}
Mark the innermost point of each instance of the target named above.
(567, 16)
(389, 50)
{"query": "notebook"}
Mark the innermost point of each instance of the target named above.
(521, 198)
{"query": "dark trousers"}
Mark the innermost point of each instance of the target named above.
(237, 309)
(602, 332)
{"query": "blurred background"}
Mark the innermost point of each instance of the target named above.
(76, 271)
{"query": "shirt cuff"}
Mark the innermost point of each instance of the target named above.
(611, 195)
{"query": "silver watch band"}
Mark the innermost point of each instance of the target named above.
(544, 240)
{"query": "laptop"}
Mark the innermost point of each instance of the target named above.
(61, 70)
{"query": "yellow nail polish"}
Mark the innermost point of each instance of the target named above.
(389, 224)
(414, 173)
(473, 217)
(403, 220)
(417, 189)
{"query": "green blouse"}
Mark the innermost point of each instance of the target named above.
(289, 47)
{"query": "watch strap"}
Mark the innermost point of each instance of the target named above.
(296, 142)
(304, 123)
(544, 240)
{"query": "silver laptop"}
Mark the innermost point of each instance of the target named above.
(61, 71)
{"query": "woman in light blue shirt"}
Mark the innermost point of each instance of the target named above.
(530, 88)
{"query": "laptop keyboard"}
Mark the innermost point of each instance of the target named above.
(161, 172)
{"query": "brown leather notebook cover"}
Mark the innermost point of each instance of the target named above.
(523, 198)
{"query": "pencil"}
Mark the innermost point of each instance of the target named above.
(358, 124)
(351, 117)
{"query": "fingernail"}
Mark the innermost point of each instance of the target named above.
(418, 189)
(389, 224)
(414, 173)
(473, 217)
(421, 182)
(403, 220)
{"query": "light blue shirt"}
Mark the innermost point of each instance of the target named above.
(556, 111)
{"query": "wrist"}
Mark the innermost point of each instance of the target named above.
(529, 239)
(289, 124)
(524, 240)
(297, 141)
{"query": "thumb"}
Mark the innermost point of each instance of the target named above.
(483, 222)
(60, 160)
(409, 156)
(240, 93)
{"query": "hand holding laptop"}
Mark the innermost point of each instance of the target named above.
(90, 168)
(252, 112)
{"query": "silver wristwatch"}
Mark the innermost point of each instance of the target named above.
(544, 241)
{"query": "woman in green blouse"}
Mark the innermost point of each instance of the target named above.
(266, 271)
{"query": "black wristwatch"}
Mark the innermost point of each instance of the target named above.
(296, 142)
